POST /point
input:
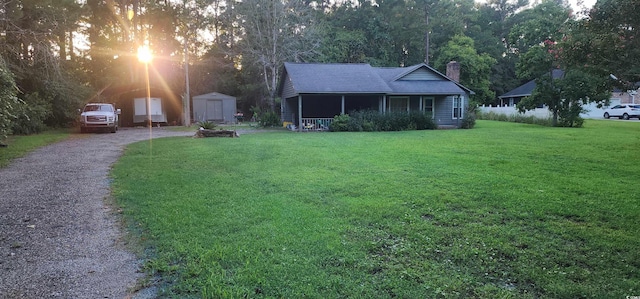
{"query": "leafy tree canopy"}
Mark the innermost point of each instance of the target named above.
(607, 42)
(10, 105)
(533, 26)
(238, 47)
(562, 87)
(475, 68)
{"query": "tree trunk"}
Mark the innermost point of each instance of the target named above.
(62, 40)
(71, 53)
(426, 36)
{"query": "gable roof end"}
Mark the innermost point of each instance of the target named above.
(440, 87)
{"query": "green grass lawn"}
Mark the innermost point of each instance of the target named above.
(501, 211)
(244, 126)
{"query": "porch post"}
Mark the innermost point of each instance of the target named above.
(457, 99)
(384, 104)
(300, 113)
(433, 108)
(421, 108)
(408, 104)
(342, 106)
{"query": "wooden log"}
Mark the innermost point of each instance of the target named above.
(215, 133)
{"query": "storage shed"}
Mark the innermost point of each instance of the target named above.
(214, 107)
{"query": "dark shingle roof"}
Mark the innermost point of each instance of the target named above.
(390, 73)
(523, 90)
(335, 78)
(526, 89)
(315, 78)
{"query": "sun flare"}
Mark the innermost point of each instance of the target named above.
(144, 54)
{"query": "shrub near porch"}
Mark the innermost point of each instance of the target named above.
(504, 210)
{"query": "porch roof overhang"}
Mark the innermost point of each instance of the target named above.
(341, 93)
(427, 88)
(396, 88)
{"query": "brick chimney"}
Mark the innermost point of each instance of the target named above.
(453, 71)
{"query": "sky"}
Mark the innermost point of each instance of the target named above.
(577, 5)
(585, 3)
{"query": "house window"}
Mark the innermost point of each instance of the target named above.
(427, 106)
(398, 104)
(457, 107)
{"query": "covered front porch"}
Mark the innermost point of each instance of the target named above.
(316, 112)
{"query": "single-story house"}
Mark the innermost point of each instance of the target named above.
(313, 93)
(514, 96)
(214, 107)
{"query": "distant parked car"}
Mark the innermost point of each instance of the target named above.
(623, 111)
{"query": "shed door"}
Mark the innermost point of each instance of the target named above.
(214, 110)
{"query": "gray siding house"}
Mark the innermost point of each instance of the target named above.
(312, 93)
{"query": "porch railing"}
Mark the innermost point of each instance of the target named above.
(315, 124)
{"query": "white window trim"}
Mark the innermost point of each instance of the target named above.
(453, 107)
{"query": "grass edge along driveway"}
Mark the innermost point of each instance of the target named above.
(503, 210)
(20, 145)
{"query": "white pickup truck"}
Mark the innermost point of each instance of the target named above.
(102, 116)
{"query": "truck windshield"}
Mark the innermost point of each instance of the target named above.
(98, 108)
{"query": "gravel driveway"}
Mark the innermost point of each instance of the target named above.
(58, 236)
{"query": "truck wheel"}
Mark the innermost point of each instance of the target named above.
(114, 129)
